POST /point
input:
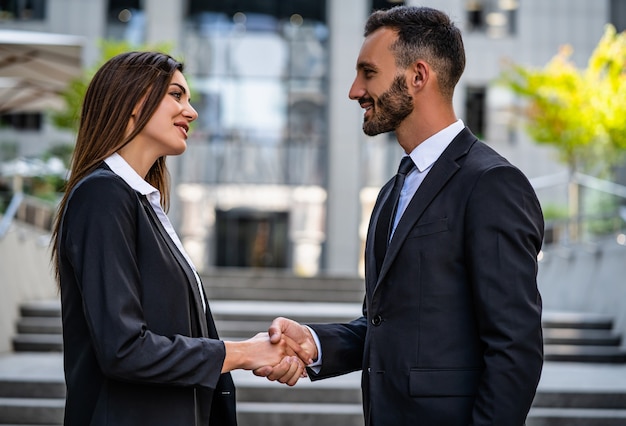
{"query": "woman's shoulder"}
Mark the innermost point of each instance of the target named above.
(102, 183)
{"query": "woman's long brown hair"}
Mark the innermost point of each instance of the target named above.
(116, 89)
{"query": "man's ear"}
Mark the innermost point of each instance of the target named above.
(420, 74)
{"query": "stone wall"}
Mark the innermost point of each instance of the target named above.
(586, 278)
(25, 274)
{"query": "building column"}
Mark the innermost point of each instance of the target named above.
(86, 18)
(345, 20)
(158, 12)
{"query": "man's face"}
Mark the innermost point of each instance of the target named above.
(379, 87)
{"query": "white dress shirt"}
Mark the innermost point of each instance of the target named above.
(424, 156)
(120, 167)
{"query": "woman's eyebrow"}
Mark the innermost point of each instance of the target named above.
(180, 86)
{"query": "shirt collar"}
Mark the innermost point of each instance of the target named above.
(120, 167)
(426, 153)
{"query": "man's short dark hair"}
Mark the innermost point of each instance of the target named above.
(427, 34)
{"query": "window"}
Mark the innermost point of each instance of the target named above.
(247, 238)
(22, 121)
(280, 9)
(495, 18)
(385, 4)
(259, 72)
(618, 14)
(23, 10)
(126, 21)
(475, 104)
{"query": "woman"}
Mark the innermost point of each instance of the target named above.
(140, 344)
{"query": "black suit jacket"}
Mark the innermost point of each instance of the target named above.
(138, 347)
(451, 327)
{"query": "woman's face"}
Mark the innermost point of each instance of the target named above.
(166, 132)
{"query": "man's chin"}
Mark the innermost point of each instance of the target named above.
(373, 131)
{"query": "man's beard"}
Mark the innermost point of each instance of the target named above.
(392, 107)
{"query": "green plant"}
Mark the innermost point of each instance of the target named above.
(553, 212)
(579, 111)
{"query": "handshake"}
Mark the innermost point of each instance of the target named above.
(280, 354)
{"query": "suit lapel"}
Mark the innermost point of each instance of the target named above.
(442, 171)
(370, 258)
(191, 278)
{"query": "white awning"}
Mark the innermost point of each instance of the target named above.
(35, 67)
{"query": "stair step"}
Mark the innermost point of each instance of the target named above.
(41, 308)
(595, 399)
(571, 336)
(31, 388)
(576, 353)
(579, 320)
(238, 284)
(344, 389)
(38, 342)
(305, 414)
(312, 311)
(575, 417)
(241, 329)
(32, 410)
(39, 325)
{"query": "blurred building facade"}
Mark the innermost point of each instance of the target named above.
(278, 173)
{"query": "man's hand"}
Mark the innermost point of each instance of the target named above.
(286, 330)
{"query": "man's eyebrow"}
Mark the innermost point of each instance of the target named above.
(364, 64)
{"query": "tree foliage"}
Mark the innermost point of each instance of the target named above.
(582, 112)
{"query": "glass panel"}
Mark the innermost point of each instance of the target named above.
(247, 238)
(126, 21)
(23, 10)
(259, 82)
(495, 18)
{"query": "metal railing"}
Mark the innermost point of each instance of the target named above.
(578, 222)
(28, 209)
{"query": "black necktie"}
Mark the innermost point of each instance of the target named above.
(387, 212)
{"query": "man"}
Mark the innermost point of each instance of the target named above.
(451, 325)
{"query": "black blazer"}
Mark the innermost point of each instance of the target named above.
(451, 327)
(138, 347)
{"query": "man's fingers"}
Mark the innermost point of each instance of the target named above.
(276, 329)
(263, 371)
(298, 350)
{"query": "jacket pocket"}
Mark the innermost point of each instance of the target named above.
(444, 382)
(423, 229)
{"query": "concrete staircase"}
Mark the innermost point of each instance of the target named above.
(244, 303)
(578, 408)
(39, 327)
(32, 390)
(581, 337)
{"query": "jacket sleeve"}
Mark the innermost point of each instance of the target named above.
(504, 226)
(342, 347)
(101, 242)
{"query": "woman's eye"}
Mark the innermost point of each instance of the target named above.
(177, 95)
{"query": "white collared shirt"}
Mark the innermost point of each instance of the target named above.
(424, 156)
(120, 167)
